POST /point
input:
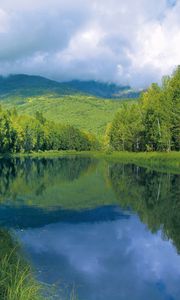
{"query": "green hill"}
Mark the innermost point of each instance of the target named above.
(85, 112)
(67, 103)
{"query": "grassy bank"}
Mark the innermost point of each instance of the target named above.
(16, 279)
(161, 161)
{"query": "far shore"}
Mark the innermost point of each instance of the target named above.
(161, 161)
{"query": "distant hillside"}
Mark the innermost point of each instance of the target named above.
(103, 90)
(28, 86)
(85, 112)
(82, 104)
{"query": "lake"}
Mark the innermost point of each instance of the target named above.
(101, 230)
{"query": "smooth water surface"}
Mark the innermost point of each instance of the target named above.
(106, 230)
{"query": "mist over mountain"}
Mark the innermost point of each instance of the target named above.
(28, 85)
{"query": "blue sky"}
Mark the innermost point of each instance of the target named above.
(172, 2)
(127, 42)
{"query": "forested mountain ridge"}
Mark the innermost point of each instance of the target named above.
(25, 85)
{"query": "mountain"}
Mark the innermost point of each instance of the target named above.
(103, 90)
(28, 86)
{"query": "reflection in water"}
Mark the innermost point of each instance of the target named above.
(31, 217)
(70, 168)
(105, 228)
(106, 260)
(154, 196)
(25, 180)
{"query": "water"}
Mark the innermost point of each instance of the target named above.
(106, 230)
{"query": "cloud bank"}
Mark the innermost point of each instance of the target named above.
(126, 42)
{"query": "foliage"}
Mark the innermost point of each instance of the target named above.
(47, 122)
(25, 134)
(153, 124)
(84, 112)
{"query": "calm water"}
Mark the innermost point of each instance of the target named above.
(106, 230)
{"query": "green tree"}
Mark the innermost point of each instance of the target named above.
(126, 129)
(8, 134)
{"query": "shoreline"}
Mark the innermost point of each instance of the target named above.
(160, 161)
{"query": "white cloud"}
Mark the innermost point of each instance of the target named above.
(133, 42)
(3, 22)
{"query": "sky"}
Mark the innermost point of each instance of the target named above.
(121, 41)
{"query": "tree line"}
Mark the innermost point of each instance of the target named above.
(152, 123)
(22, 133)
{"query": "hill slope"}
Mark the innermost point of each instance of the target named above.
(67, 103)
(85, 112)
(25, 85)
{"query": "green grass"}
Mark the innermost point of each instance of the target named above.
(160, 161)
(16, 279)
(85, 112)
(17, 284)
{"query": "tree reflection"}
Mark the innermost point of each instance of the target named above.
(21, 176)
(154, 196)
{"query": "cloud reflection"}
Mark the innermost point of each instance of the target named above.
(107, 260)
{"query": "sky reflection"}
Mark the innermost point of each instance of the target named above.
(113, 260)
